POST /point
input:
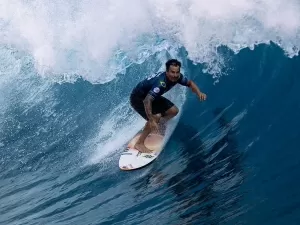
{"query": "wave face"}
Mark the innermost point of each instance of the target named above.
(67, 70)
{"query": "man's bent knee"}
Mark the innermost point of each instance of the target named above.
(173, 111)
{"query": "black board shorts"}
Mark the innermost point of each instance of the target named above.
(159, 105)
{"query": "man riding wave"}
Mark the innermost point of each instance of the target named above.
(147, 100)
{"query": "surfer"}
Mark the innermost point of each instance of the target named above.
(147, 100)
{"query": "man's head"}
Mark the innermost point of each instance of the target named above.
(173, 69)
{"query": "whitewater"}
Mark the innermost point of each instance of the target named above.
(66, 73)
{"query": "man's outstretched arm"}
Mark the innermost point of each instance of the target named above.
(183, 80)
(196, 90)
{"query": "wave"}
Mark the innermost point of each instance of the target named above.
(67, 69)
(98, 39)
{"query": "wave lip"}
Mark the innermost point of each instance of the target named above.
(75, 38)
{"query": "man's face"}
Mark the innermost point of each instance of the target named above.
(174, 73)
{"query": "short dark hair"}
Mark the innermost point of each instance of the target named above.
(172, 62)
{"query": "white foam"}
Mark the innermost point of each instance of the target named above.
(116, 129)
(96, 38)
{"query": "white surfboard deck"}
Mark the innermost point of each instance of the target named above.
(132, 159)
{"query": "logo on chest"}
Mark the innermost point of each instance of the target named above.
(163, 84)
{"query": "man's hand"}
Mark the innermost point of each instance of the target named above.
(196, 90)
(202, 96)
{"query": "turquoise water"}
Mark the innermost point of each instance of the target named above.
(65, 114)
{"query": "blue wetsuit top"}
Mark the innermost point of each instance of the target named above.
(157, 84)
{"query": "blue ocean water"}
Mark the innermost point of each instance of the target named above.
(65, 116)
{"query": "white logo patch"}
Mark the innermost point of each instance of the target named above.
(156, 90)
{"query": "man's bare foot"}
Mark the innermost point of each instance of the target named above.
(142, 148)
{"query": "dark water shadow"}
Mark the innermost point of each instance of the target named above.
(204, 188)
(204, 191)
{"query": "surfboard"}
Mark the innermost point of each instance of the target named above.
(132, 159)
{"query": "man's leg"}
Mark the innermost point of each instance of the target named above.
(138, 105)
(163, 105)
(161, 120)
(169, 114)
(140, 144)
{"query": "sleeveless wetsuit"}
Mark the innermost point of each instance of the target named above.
(156, 86)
